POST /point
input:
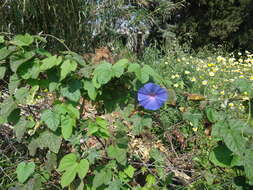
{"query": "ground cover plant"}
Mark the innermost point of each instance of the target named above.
(66, 123)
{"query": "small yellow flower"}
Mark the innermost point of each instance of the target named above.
(204, 82)
(177, 76)
(187, 72)
(251, 78)
(211, 74)
(193, 79)
(176, 85)
(166, 63)
(197, 69)
(245, 93)
(195, 129)
(173, 76)
(215, 87)
(231, 105)
(222, 92)
(210, 65)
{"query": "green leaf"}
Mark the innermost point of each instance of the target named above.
(30, 69)
(13, 83)
(212, 115)
(21, 127)
(72, 90)
(103, 73)
(88, 85)
(234, 139)
(22, 40)
(67, 162)
(221, 156)
(151, 180)
(50, 62)
(5, 52)
(101, 122)
(67, 124)
(99, 179)
(117, 153)
(115, 185)
(66, 67)
(24, 171)
(119, 67)
(140, 122)
(52, 119)
(1, 39)
(136, 68)
(46, 140)
(92, 128)
(130, 171)
(68, 176)
(51, 162)
(83, 168)
(7, 106)
(21, 95)
(2, 72)
(149, 71)
(17, 60)
(248, 165)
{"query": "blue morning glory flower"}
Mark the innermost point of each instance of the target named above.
(151, 96)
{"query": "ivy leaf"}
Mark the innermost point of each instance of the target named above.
(24, 171)
(103, 73)
(52, 119)
(17, 60)
(2, 72)
(50, 62)
(88, 85)
(83, 168)
(67, 124)
(221, 156)
(22, 40)
(66, 67)
(119, 67)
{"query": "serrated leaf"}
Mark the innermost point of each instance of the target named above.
(50, 62)
(67, 124)
(52, 119)
(17, 60)
(103, 73)
(22, 40)
(67, 162)
(24, 171)
(83, 168)
(101, 122)
(67, 67)
(92, 128)
(221, 156)
(2, 72)
(92, 93)
(119, 67)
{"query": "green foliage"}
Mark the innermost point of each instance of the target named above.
(24, 171)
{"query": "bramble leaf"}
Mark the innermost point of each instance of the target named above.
(52, 119)
(50, 62)
(66, 67)
(22, 40)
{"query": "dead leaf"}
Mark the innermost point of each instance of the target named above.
(195, 97)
